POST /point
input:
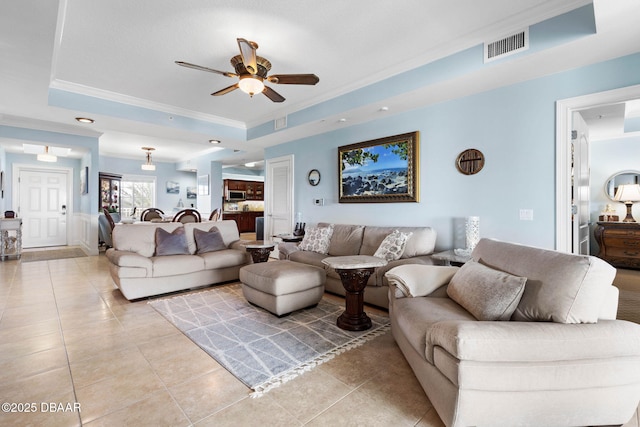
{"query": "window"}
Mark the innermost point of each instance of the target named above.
(137, 192)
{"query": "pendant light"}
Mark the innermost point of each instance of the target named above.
(46, 157)
(148, 166)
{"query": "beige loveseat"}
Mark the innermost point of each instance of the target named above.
(365, 240)
(138, 272)
(561, 360)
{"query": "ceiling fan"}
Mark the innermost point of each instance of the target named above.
(252, 72)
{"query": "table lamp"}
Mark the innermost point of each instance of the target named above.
(627, 194)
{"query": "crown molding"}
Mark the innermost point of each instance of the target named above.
(142, 103)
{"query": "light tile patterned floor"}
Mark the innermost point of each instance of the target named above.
(67, 335)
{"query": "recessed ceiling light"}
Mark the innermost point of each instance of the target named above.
(214, 141)
(384, 108)
(342, 120)
(84, 120)
(250, 164)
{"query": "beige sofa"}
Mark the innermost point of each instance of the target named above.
(139, 273)
(364, 240)
(562, 360)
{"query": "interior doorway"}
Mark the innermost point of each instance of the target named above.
(278, 207)
(564, 125)
(42, 199)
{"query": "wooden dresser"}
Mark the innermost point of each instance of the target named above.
(619, 243)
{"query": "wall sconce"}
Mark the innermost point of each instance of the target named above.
(148, 166)
(628, 194)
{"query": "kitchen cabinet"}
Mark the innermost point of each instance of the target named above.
(232, 184)
(254, 189)
(110, 191)
(246, 220)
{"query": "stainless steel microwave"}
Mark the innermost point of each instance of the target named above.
(236, 195)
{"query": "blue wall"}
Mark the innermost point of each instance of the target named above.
(80, 201)
(164, 172)
(513, 126)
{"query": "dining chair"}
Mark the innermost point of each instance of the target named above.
(215, 215)
(106, 224)
(187, 215)
(110, 220)
(151, 213)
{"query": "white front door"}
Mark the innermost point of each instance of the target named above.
(43, 207)
(581, 186)
(278, 196)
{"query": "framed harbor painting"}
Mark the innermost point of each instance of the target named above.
(381, 170)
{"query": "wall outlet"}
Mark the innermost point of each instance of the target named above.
(318, 202)
(526, 214)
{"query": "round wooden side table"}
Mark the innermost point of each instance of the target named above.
(354, 271)
(260, 250)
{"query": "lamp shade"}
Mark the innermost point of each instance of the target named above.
(627, 193)
(251, 85)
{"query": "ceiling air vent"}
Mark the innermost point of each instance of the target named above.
(506, 46)
(280, 123)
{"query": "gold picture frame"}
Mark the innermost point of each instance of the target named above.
(384, 170)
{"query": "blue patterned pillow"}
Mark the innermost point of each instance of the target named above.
(208, 241)
(171, 243)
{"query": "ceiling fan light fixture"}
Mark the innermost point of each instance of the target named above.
(251, 85)
(46, 157)
(148, 166)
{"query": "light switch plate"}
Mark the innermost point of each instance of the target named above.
(526, 214)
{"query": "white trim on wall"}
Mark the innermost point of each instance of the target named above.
(564, 110)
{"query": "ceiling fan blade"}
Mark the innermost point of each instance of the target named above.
(248, 54)
(294, 79)
(201, 68)
(272, 94)
(226, 90)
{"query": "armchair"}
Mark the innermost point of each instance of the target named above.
(560, 359)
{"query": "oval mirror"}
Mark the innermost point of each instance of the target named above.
(314, 177)
(624, 177)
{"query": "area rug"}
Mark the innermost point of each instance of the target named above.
(52, 254)
(260, 349)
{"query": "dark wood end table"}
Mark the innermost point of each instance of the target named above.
(260, 250)
(290, 238)
(354, 271)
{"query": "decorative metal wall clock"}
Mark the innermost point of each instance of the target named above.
(470, 161)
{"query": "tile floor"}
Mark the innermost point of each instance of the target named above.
(67, 335)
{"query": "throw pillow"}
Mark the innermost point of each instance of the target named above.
(486, 293)
(317, 239)
(418, 280)
(208, 241)
(393, 246)
(171, 243)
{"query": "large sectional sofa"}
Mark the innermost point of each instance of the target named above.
(139, 272)
(558, 358)
(364, 240)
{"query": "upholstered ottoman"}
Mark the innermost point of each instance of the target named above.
(282, 286)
